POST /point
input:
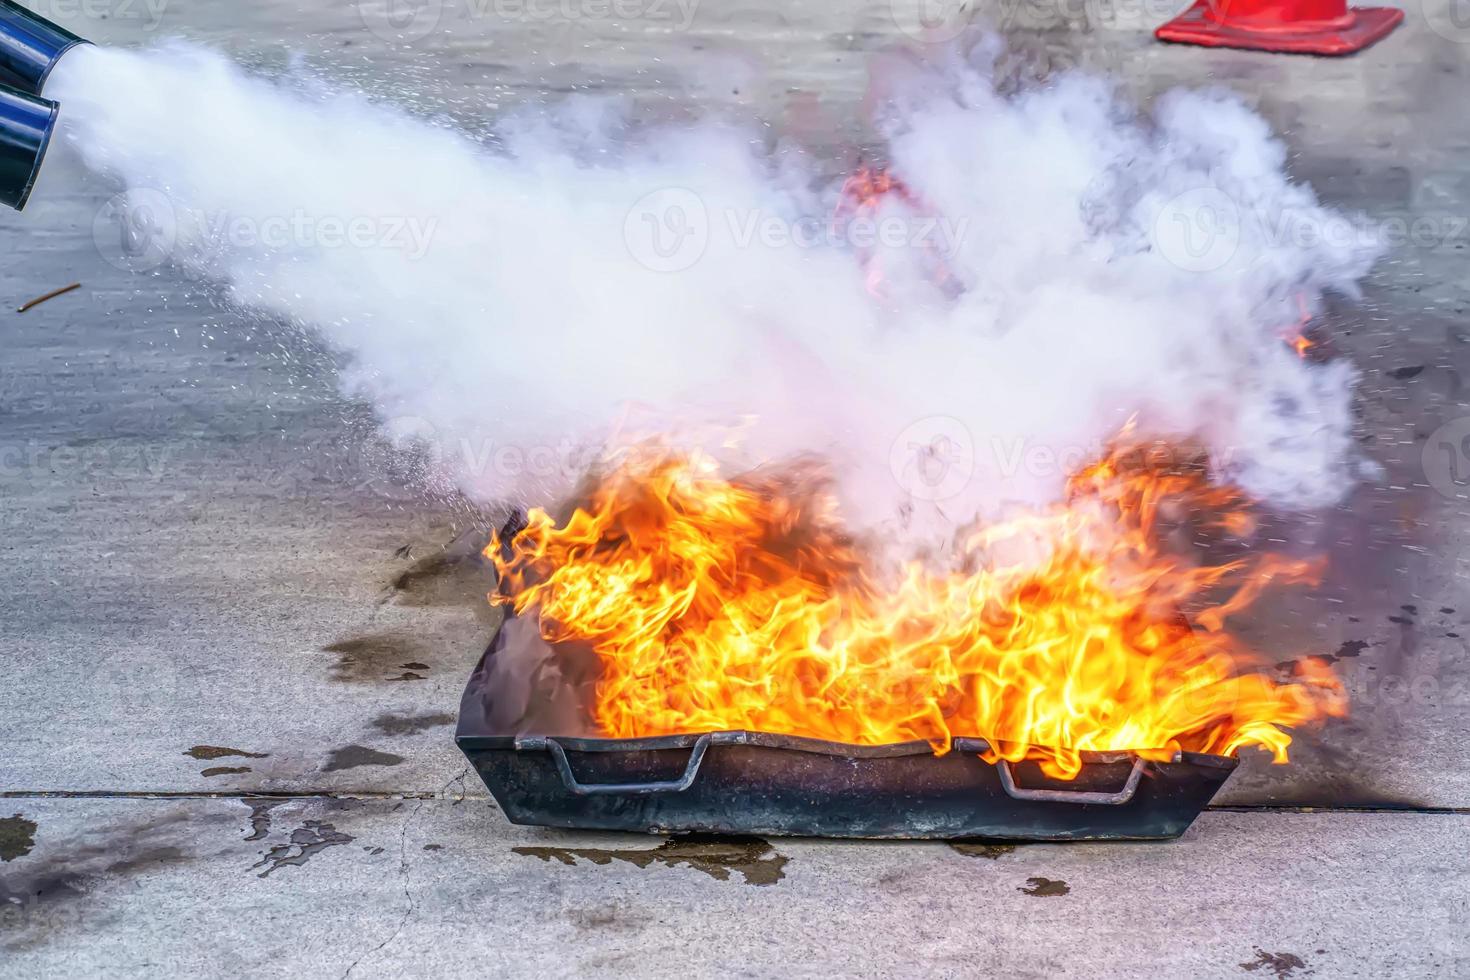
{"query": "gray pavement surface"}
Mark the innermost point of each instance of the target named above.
(442, 888)
(217, 588)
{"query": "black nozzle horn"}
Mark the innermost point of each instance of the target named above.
(26, 122)
(30, 46)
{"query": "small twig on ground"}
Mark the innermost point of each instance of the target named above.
(51, 295)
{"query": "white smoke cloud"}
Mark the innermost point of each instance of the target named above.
(1060, 265)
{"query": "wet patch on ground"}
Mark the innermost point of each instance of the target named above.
(225, 771)
(753, 858)
(377, 657)
(395, 724)
(981, 849)
(260, 818)
(455, 575)
(17, 837)
(1350, 649)
(306, 841)
(211, 752)
(1280, 965)
(1044, 887)
(355, 756)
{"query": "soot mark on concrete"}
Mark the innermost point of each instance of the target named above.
(225, 770)
(394, 724)
(353, 756)
(35, 894)
(1044, 887)
(615, 916)
(716, 855)
(209, 752)
(1281, 964)
(307, 841)
(377, 657)
(981, 849)
(17, 837)
(1340, 789)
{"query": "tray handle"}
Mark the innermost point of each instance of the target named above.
(559, 756)
(1008, 783)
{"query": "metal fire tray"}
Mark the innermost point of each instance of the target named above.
(759, 783)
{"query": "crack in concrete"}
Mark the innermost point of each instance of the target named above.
(407, 892)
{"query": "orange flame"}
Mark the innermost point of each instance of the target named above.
(717, 604)
(1296, 337)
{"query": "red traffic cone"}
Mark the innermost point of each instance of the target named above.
(1295, 26)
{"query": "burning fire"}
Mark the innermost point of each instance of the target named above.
(717, 604)
(864, 194)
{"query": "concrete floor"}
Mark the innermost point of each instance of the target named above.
(216, 591)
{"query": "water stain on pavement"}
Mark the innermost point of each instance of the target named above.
(377, 657)
(394, 724)
(225, 770)
(260, 818)
(210, 752)
(1044, 887)
(716, 855)
(981, 849)
(354, 756)
(307, 841)
(1348, 650)
(1282, 965)
(456, 575)
(17, 837)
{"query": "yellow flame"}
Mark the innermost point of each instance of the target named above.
(717, 604)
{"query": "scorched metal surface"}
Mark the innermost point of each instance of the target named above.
(759, 783)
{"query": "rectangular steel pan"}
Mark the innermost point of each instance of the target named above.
(759, 783)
